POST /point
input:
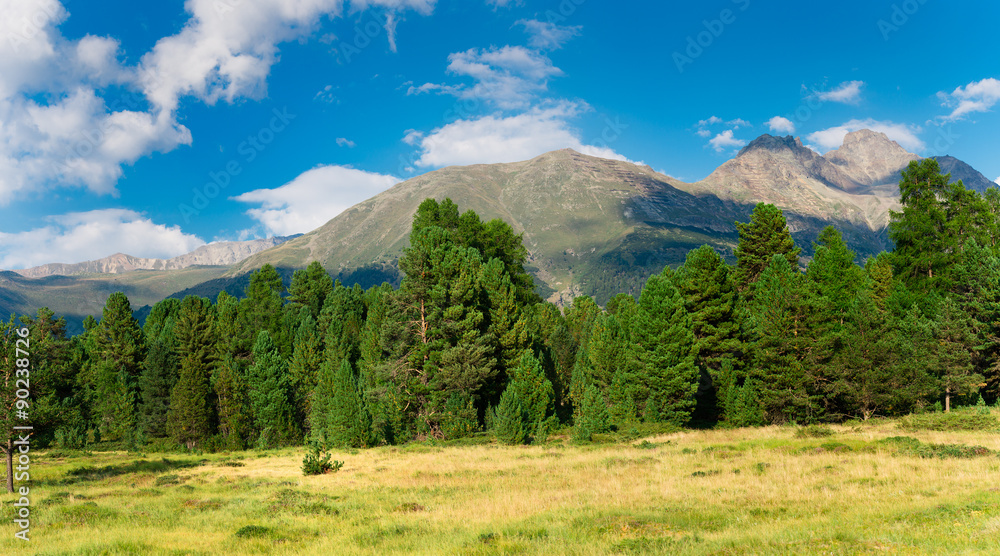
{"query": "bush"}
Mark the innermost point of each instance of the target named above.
(909, 446)
(814, 431)
(317, 462)
(947, 422)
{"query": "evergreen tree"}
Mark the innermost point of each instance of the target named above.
(592, 415)
(763, 237)
(310, 288)
(782, 341)
(190, 419)
(234, 404)
(509, 426)
(270, 395)
(534, 393)
(260, 310)
(706, 285)
(160, 368)
(339, 417)
(663, 348)
(119, 351)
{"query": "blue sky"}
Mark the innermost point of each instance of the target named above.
(153, 128)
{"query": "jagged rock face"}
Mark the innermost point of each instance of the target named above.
(214, 254)
(783, 172)
(959, 170)
(870, 158)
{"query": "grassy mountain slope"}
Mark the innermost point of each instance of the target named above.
(75, 297)
(591, 225)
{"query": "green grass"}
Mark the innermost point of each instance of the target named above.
(857, 490)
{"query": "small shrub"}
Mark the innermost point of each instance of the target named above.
(169, 479)
(761, 467)
(948, 422)
(317, 462)
(814, 431)
(253, 532)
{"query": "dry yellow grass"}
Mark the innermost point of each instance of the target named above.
(745, 491)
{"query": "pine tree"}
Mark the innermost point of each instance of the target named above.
(592, 415)
(763, 237)
(781, 344)
(190, 418)
(339, 417)
(234, 404)
(509, 426)
(260, 310)
(119, 351)
(310, 288)
(664, 347)
(270, 395)
(534, 392)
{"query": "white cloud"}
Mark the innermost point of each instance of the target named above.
(832, 138)
(509, 77)
(313, 198)
(504, 3)
(58, 131)
(546, 35)
(739, 122)
(978, 96)
(85, 236)
(725, 140)
(997, 180)
(493, 139)
(710, 121)
(345, 142)
(780, 124)
(704, 133)
(848, 92)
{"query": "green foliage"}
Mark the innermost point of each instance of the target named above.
(509, 423)
(339, 416)
(190, 416)
(119, 349)
(813, 431)
(317, 462)
(592, 416)
(765, 236)
(270, 395)
(947, 422)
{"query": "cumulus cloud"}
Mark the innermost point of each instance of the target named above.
(313, 198)
(84, 236)
(58, 130)
(509, 77)
(997, 180)
(978, 96)
(848, 92)
(832, 138)
(546, 35)
(725, 140)
(780, 124)
(494, 139)
(345, 142)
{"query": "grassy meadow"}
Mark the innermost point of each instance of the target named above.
(773, 490)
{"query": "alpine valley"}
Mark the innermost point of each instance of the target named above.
(591, 225)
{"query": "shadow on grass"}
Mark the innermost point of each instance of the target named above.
(89, 473)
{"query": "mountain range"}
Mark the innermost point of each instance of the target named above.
(591, 225)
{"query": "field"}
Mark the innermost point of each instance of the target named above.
(774, 490)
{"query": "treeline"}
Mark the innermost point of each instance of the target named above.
(464, 344)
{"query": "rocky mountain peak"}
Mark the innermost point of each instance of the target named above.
(870, 157)
(772, 143)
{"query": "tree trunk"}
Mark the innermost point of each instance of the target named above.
(947, 400)
(9, 452)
